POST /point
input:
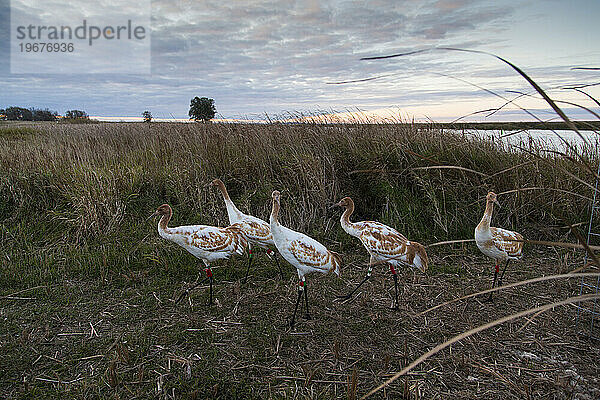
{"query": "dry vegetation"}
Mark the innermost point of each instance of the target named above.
(86, 283)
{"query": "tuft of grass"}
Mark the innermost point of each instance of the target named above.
(16, 132)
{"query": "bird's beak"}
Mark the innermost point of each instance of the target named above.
(496, 203)
(334, 205)
(209, 184)
(152, 216)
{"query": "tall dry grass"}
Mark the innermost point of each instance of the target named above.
(83, 191)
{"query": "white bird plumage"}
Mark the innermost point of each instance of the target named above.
(384, 244)
(302, 251)
(207, 243)
(256, 231)
(497, 243)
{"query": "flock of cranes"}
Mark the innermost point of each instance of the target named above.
(383, 243)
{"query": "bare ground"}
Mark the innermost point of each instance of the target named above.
(124, 338)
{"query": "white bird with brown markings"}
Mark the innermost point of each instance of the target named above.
(384, 244)
(257, 231)
(497, 243)
(303, 252)
(208, 243)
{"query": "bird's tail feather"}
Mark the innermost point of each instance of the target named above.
(420, 259)
(336, 262)
(240, 240)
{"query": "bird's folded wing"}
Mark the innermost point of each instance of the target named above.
(384, 242)
(256, 230)
(309, 254)
(504, 240)
(214, 239)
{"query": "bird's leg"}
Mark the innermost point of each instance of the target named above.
(194, 286)
(300, 290)
(209, 275)
(188, 290)
(503, 271)
(249, 262)
(496, 270)
(395, 307)
(272, 254)
(307, 315)
(369, 271)
(301, 286)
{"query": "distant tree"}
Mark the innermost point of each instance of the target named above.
(147, 116)
(43, 115)
(202, 109)
(18, 114)
(76, 114)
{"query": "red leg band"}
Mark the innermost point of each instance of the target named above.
(208, 273)
(392, 269)
(497, 268)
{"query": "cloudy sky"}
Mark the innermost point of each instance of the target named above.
(278, 57)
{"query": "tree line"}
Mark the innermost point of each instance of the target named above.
(37, 114)
(201, 109)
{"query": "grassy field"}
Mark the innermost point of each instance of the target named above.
(86, 283)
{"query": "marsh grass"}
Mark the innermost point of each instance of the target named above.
(70, 187)
(75, 199)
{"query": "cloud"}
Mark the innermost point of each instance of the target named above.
(451, 17)
(274, 55)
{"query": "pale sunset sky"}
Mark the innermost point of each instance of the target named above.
(276, 57)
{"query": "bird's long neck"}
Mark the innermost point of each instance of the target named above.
(484, 224)
(163, 229)
(348, 226)
(232, 212)
(274, 219)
